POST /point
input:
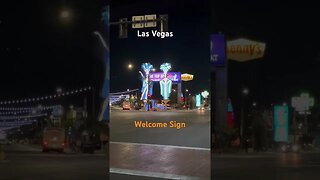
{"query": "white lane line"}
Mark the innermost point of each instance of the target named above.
(164, 146)
(151, 174)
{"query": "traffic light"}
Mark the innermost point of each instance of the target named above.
(123, 28)
(163, 22)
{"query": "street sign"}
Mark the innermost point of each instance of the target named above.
(138, 22)
(243, 49)
(281, 123)
(149, 18)
(175, 77)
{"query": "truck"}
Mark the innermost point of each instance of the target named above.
(53, 139)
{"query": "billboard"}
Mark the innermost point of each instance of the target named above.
(217, 50)
(175, 77)
(281, 123)
(243, 49)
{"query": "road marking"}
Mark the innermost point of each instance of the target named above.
(151, 174)
(241, 156)
(164, 146)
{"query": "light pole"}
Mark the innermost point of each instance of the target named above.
(59, 91)
(244, 93)
(186, 97)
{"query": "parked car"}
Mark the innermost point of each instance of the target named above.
(53, 139)
(126, 105)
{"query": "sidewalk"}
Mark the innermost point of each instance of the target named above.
(159, 161)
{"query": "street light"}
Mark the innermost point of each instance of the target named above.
(254, 104)
(59, 90)
(154, 69)
(65, 14)
(245, 91)
(130, 66)
(187, 90)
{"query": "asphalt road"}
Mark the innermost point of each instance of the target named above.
(130, 177)
(26, 162)
(272, 166)
(195, 134)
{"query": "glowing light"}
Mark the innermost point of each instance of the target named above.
(65, 14)
(245, 91)
(146, 67)
(165, 67)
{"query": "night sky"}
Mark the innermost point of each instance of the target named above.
(41, 51)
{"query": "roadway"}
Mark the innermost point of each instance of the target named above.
(266, 166)
(155, 153)
(195, 134)
(27, 162)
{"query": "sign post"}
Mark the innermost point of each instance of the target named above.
(219, 76)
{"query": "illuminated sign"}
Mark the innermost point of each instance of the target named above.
(217, 50)
(281, 123)
(205, 94)
(175, 77)
(302, 103)
(186, 77)
(244, 49)
(198, 100)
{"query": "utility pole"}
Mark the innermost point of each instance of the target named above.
(93, 105)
